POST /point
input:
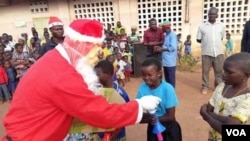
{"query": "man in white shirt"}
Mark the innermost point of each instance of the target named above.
(210, 35)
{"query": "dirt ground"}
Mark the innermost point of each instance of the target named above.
(187, 113)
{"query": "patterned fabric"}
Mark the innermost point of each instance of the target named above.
(82, 132)
(237, 107)
(79, 127)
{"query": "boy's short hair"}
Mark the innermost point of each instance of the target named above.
(153, 19)
(17, 45)
(110, 55)
(242, 58)
(228, 34)
(4, 34)
(106, 66)
(108, 40)
(152, 61)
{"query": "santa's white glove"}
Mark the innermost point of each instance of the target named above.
(149, 102)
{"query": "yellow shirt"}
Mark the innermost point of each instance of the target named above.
(106, 52)
(118, 30)
(43, 41)
(129, 54)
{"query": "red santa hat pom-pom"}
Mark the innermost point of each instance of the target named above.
(84, 31)
(53, 21)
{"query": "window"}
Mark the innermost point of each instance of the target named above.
(231, 12)
(160, 10)
(98, 10)
(39, 7)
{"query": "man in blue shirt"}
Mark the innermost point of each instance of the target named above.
(169, 53)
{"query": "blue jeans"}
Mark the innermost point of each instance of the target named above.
(12, 86)
(4, 90)
(169, 73)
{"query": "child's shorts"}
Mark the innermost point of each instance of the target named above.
(120, 75)
(188, 50)
(127, 73)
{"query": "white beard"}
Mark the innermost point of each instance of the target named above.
(88, 74)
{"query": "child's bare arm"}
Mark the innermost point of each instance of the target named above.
(14, 62)
(210, 108)
(170, 116)
(24, 62)
(216, 121)
(224, 119)
(185, 43)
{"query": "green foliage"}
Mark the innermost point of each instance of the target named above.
(188, 62)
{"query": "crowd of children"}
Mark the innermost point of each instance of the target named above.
(119, 48)
(187, 46)
(15, 60)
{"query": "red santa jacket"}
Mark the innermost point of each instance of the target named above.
(50, 94)
(3, 76)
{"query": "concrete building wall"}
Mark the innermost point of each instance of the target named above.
(125, 11)
(195, 19)
(20, 11)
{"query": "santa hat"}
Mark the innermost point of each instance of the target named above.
(166, 24)
(86, 30)
(53, 21)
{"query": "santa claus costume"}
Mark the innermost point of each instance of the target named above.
(61, 85)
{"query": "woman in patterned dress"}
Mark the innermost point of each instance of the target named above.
(230, 102)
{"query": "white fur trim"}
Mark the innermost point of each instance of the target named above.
(87, 72)
(54, 24)
(83, 38)
(63, 52)
(140, 113)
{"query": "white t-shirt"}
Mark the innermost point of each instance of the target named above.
(122, 65)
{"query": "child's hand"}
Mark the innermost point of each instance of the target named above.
(152, 120)
(146, 118)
